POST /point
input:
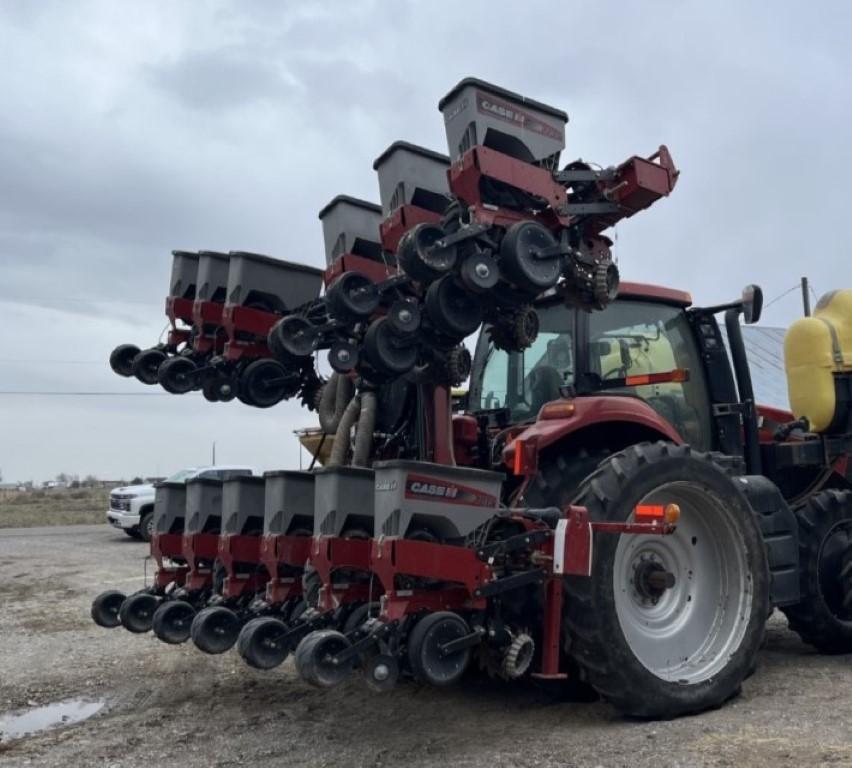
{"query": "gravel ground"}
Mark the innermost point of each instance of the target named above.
(166, 705)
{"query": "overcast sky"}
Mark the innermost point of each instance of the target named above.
(128, 129)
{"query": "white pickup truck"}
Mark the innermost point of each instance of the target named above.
(131, 507)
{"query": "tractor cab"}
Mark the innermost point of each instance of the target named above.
(642, 350)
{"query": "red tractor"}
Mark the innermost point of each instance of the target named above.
(607, 501)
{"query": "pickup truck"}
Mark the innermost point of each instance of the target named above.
(131, 507)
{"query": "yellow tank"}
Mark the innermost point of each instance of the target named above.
(815, 348)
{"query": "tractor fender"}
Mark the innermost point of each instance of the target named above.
(618, 421)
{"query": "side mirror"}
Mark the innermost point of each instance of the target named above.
(752, 303)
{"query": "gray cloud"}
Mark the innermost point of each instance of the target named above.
(130, 129)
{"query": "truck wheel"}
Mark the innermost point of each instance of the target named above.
(823, 616)
(146, 526)
(664, 651)
(133, 533)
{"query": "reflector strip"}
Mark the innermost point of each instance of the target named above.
(650, 510)
(677, 375)
(519, 458)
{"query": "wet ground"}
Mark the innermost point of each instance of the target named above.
(159, 705)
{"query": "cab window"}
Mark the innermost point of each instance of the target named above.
(634, 337)
(524, 381)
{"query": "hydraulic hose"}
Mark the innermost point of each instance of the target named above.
(365, 429)
(341, 436)
(336, 394)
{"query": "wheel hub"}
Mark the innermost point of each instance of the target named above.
(650, 578)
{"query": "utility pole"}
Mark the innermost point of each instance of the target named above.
(214, 453)
(806, 297)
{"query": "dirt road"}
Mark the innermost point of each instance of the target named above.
(166, 705)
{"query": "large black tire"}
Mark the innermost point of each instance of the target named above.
(612, 619)
(823, 616)
(560, 476)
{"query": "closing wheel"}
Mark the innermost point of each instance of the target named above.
(210, 390)
(452, 310)
(105, 608)
(318, 660)
(352, 295)
(380, 672)
(479, 272)
(146, 364)
(823, 616)
(525, 260)
(669, 625)
(404, 317)
(121, 359)
(223, 387)
(388, 353)
(215, 629)
(173, 622)
(343, 356)
(137, 612)
(261, 643)
(266, 383)
(294, 334)
(178, 375)
(430, 661)
(420, 256)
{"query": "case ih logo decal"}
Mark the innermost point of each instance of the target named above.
(502, 110)
(422, 488)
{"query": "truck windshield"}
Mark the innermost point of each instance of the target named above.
(524, 381)
(181, 476)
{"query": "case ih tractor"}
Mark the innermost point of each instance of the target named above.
(607, 502)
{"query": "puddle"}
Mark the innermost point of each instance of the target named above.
(61, 713)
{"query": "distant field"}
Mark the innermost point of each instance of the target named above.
(66, 507)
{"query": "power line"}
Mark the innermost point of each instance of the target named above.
(75, 300)
(796, 287)
(28, 393)
(43, 361)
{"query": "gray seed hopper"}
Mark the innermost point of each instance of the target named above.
(412, 175)
(184, 275)
(476, 112)
(212, 281)
(350, 225)
(169, 507)
(447, 502)
(242, 505)
(289, 502)
(343, 500)
(203, 505)
(269, 284)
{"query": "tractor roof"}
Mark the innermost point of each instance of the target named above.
(655, 292)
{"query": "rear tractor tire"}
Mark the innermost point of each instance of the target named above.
(668, 625)
(823, 616)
